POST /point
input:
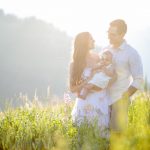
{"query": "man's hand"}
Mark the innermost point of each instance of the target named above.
(130, 92)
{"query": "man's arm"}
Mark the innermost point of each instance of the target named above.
(131, 90)
(136, 68)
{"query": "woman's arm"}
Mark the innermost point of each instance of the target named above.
(77, 88)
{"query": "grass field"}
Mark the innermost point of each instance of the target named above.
(51, 128)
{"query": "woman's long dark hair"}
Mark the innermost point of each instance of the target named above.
(81, 49)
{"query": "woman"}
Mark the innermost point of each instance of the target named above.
(95, 106)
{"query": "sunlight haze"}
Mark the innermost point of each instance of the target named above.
(74, 16)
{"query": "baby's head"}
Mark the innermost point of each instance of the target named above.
(106, 57)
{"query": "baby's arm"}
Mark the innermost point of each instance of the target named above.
(109, 71)
(113, 79)
(113, 75)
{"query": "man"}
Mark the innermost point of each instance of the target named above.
(129, 70)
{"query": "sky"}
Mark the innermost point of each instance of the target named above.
(74, 16)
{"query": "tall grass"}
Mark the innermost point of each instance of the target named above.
(51, 128)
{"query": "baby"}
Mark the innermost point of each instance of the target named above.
(101, 75)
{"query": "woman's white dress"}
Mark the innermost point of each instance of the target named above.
(94, 107)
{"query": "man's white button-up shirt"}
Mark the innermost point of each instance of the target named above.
(129, 70)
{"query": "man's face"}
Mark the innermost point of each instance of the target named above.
(114, 37)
